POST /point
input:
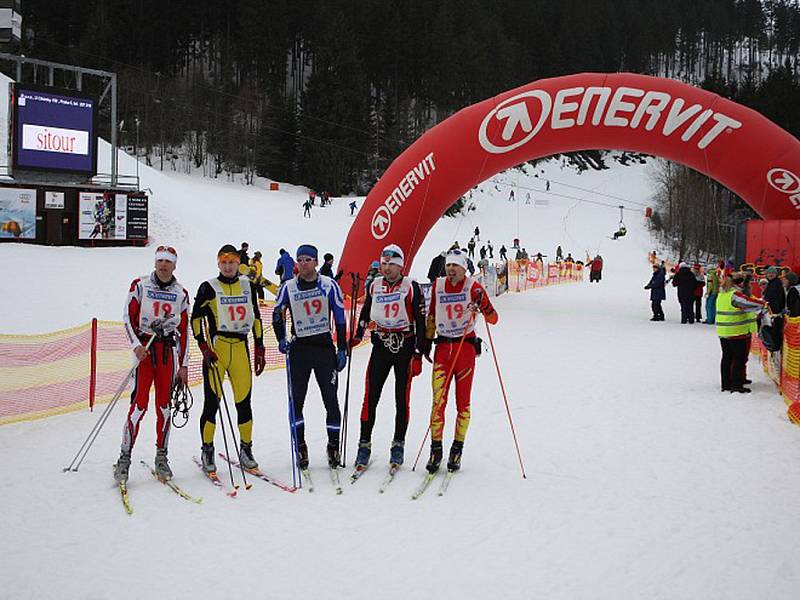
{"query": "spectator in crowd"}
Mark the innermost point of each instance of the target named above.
(686, 283)
(658, 292)
(477, 234)
(352, 206)
(285, 266)
(773, 292)
(471, 247)
(698, 291)
(483, 252)
(595, 269)
(436, 269)
(790, 283)
(374, 270)
(712, 289)
(503, 251)
(327, 267)
(244, 258)
(559, 254)
(490, 248)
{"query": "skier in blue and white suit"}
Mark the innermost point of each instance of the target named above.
(311, 298)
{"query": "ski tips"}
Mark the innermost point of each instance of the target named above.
(248, 486)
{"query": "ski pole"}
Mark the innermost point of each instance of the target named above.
(353, 317)
(505, 399)
(297, 479)
(101, 421)
(247, 486)
(446, 385)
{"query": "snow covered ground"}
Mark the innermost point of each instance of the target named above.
(644, 481)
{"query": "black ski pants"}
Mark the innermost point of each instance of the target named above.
(696, 302)
(687, 314)
(658, 312)
(381, 362)
(303, 359)
(734, 358)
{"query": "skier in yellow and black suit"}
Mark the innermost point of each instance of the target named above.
(229, 305)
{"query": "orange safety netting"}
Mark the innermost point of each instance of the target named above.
(53, 373)
(528, 274)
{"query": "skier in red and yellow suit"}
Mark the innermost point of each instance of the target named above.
(455, 299)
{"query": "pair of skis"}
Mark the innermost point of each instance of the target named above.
(426, 483)
(125, 494)
(334, 473)
(232, 493)
(387, 480)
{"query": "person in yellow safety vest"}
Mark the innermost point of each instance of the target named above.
(736, 322)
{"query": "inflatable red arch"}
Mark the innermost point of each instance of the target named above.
(728, 142)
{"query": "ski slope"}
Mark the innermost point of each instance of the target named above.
(643, 480)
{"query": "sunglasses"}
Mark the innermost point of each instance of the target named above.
(169, 249)
(229, 256)
(305, 259)
(391, 254)
(456, 252)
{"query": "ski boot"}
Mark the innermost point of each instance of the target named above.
(334, 458)
(454, 460)
(436, 457)
(122, 466)
(363, 454)
(396, 453)
(207, 456)
(162, 469)
(246, 456)
(302, 456)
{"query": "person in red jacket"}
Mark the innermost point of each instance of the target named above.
(595, 269)
(455, 301)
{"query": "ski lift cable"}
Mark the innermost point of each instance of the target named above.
(642, 204)
(567, 196)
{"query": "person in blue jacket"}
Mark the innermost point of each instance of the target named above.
(657, 292)
(312, 299)
(285, 266)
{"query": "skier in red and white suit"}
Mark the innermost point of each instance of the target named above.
(157, 305)
(455, 299)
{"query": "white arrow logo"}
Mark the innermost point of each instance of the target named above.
(515, 115)
(381, 223)
(784, 180)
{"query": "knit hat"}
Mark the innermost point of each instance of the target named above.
(772, 269)
(392, 255)
(791, 277)
(327, 256)
(456, 257)
(374, 265)
(307, 250)
(167, 253)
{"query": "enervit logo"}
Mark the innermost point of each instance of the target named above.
(787, 183)
(381, 222)
(382, 217)
(604, 106)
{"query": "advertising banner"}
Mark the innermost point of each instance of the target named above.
(53, 130)
(96, 216)
(121, 217)
(54, 200)
(17, 213)
(137, 217)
